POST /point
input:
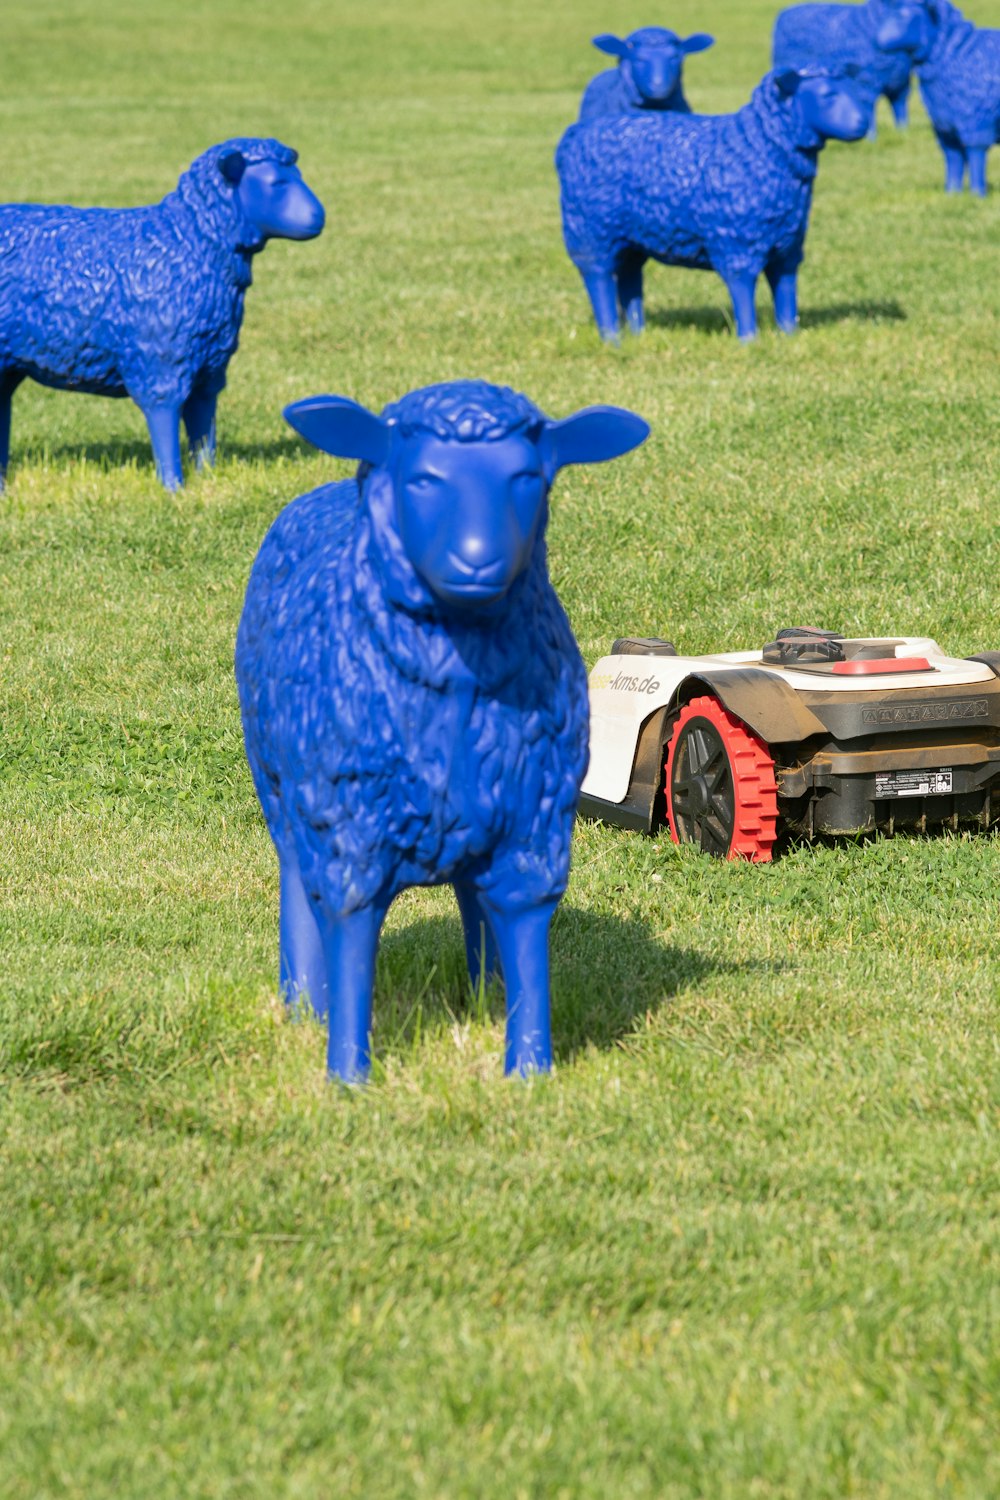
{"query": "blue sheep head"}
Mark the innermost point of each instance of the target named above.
(825, 104)
(908, 26)
(456, 480)
(273, 200)
(651, 59)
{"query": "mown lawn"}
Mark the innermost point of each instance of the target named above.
(744, 1242)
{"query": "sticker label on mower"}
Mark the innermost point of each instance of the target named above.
(623, 683)
(912, 783)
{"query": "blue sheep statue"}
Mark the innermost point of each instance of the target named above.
(959, 74)
(414, 703)
(728, 193)
(880, 40)
(648, 75)
(147, 302)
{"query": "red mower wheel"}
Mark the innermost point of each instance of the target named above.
(721, 791)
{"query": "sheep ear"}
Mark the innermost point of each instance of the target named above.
(232, 166)
(612, 44)
(699, 42)
(337, 425)
(787, 82)
(593, 435)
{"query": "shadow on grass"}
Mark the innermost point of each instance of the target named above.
(118, 452)
(856, 312)
(717, 320)
(607, 973)
(705, 319)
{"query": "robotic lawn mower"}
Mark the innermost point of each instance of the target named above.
(817, 733)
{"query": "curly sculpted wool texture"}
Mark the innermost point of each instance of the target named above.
(960, 85)
(146, 302)
(414, 703)
(880, 40)
(729, 193)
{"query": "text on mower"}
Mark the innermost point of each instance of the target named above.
(926, 713)
(623, 683)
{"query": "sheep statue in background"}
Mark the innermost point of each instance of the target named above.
(414, 703)
(959, 74)
(147, 302)
(648, 75)
(880, 40)
(728, 193)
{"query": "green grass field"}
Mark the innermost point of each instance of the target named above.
(744, 1242)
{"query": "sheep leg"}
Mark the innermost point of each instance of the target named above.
(954, 168)
(302, 963)
(164, 423)
(350, 943)
(977, 170)
(9, 382)
(630, 290)
(480, 944)
(199, 420)
(742, 285)
(601, 291)
(523, 940)
(784, 290)
(900, 106)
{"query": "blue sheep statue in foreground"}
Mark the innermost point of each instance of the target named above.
(413, 700)
(959, 73)
(147, 302)
(880, 40)
(728, 193)
(648, 75)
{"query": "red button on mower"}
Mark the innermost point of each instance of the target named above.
(879, 665)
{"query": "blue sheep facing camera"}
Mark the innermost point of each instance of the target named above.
(147, 302)
(728, 193)
(414, 704)
(648, 75)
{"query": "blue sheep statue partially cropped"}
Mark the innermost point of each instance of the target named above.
(414, 703)
(728, 193)
(880, 40)
(648, 75)
(146, 302)
(959, 73)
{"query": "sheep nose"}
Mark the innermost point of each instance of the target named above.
(470, 563)
(306, 217)
(664, 76)
(481, 540)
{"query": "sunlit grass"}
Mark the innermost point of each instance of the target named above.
(744, 1242)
